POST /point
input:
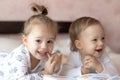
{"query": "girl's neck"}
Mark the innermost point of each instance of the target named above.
(34, 62)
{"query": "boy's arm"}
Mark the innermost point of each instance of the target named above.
(109, 68)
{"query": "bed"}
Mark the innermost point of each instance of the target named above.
(10, 39)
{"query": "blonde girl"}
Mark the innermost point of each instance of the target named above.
(34, 57)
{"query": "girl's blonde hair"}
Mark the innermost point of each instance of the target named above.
(78, 26)
(39, 18)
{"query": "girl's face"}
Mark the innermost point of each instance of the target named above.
(39, 41)
(91, 41)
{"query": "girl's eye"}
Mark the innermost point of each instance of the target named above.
(38, 41)
(50, 41)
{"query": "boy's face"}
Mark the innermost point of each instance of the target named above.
(39, 41)
(92, 41)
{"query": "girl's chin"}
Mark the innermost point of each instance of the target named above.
(42, 56)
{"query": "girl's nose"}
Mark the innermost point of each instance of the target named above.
(43, 45)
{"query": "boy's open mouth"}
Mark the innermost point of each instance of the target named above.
(99, 50)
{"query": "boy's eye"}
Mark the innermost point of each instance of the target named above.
(103, 38)
(94, 40)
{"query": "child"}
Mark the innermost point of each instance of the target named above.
(88, 45)
(34, 57)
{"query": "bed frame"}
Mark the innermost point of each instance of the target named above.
(7, 27)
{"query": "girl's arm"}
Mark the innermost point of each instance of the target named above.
(19, 69)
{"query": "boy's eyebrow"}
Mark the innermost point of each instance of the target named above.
(52, 38)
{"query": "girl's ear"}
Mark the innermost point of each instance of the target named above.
(78, 44)
(24, 39)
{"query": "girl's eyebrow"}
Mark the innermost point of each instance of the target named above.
(47, 38)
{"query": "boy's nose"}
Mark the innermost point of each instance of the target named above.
(101, 43)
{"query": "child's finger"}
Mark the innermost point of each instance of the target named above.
(50, 60)
(49, 55)
(87, 58)
(54, 56)
(53, 65)
(58, 58)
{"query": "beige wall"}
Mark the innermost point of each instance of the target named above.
(107, 11)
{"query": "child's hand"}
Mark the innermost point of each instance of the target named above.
(84, 70)
(91, 64)
(53, 64)
(57, 58)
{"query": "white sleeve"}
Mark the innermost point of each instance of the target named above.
(109, 68)
(19, 69)
(73, 64)
(33, 76)
(66, 67)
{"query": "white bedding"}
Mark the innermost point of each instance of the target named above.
(82, 77)
(10, 41)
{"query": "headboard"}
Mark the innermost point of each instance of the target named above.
(11, 27)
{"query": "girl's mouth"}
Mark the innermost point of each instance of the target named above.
(42, 53)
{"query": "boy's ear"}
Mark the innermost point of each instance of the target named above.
(78, 44)
(24, 39)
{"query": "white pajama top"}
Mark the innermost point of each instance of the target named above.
(17, 66)
(73, 66)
